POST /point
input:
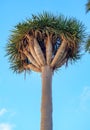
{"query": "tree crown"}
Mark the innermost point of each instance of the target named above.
(59, 27)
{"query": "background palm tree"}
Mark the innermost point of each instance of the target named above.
(43, 44)
(87, 47)
(88, 6)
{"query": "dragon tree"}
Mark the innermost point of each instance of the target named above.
(43, 44)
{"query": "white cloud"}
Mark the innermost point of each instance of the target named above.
(5, 126)
(3, 111)
(85, 99)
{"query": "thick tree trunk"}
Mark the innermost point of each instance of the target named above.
(46, 104)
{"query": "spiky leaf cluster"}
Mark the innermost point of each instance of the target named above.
(88, 6)
(57, 26)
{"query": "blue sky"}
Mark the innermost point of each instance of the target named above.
(20, 98)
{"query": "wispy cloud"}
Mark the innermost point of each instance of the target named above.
(6, 126)
(3, 111)
(85, 99)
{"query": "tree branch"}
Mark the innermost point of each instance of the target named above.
(30, 58)
(32, 67)
(59, 53)
(31, 49)
(39, 52)
(48, 49)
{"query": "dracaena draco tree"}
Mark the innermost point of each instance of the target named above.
(88, 6)
(43, 44)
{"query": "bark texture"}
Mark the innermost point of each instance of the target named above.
(46, 104)
(59, 54)
(39, 52)
(48, 50)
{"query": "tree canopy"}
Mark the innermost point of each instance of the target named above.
(40, 26)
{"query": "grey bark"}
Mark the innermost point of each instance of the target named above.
(46, 103)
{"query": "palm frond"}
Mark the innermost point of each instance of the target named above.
(87, 47)
(18, 66)
(88, 6)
